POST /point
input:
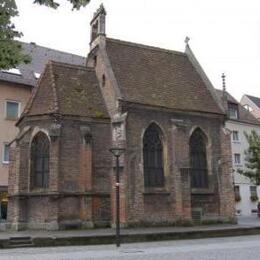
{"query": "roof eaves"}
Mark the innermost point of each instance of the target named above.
(245, 121)
(172, 109)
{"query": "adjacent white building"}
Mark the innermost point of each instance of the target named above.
(240, 120)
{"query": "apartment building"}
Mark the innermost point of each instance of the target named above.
(240, 121)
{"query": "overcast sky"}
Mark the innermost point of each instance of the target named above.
(225, 34)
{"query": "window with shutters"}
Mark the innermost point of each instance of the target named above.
(40, 155)
(198, 159)
(153, 157)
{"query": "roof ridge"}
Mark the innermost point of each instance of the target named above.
(252, 96)
(53, 85)
(48, 48)
(140, 45)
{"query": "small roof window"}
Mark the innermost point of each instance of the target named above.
(36, 74)
(233, 110)
(14, 71)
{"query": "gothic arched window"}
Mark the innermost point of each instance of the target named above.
(40, 154)
(153, 157)
(198, 159)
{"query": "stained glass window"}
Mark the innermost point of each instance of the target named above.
(40, 160)
(198, 157)
(153, 157)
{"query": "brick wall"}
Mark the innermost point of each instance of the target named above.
(226, 189)
(82, 179)
(79, 177)
(177, 199)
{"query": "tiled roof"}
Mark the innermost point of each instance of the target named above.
(40, 56)
(67, 90)
(244, 115)
(159, 77)
(256, 100)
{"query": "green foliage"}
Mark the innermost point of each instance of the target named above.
(11, 53)
(10, 50)
(76, 4)
(252, 158)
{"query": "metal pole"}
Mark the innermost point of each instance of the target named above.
(117, 204)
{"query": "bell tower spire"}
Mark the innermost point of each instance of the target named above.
(98, 25)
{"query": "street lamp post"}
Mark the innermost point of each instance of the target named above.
(117, 152)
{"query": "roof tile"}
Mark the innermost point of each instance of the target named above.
(159, 77)
(68, 90)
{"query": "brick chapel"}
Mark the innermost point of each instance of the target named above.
(157, 104)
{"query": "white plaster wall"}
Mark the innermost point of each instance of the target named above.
(8, 130)
(245, 206)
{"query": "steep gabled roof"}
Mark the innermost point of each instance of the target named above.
(256, 100)
(67, 90)
(244, 115)
(159, 77)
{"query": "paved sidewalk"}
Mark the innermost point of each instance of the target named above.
(252, 221)
(246, 226)
(243, 222)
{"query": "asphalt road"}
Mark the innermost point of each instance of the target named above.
(237, 248)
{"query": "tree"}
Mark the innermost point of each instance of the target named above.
(76, 4)
(252, 158)
(10, 50)
(11, 53)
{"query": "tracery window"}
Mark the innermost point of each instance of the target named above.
(153, 157)
(198, 159)
(40, 154)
